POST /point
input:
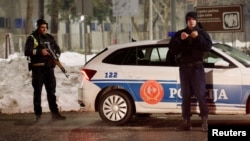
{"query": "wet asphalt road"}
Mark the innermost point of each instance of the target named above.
(87, 126)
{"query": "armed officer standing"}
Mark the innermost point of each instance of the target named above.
(42, 66)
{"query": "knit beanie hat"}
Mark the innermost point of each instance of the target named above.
(191, 14)
(40, 22)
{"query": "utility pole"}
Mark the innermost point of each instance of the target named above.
(173, 15)
(84, 8)
(151, 19)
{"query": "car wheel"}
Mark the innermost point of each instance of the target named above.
(115, 107)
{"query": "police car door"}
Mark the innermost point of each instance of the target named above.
(224, 81)
(152, 81)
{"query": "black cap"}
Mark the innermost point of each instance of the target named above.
(191, 14)
(39, 22)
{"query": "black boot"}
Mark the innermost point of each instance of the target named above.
(57, 116)
(185, 125)
(204, 124)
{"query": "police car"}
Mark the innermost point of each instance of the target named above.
(141, 78)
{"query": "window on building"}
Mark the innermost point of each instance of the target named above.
(3, 22)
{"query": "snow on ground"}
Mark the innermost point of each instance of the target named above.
(16, 92)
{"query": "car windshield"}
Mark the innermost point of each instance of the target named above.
(235, 53)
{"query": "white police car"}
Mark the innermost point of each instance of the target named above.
(140, 78)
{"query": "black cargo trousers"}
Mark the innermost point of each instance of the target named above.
(44, 75)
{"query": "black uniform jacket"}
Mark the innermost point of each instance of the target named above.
(191, 49)
(34, 52)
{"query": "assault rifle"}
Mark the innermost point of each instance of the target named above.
(56, 59)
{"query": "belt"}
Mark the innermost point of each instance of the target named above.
(193, 64)
(38, 64)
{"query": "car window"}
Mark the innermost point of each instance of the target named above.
(154, 56)
(116, 57)
(159, 54)
(214, 60)
(235, 53)
(151, 55)
(96, 55)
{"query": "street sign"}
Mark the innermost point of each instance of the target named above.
(221, 18)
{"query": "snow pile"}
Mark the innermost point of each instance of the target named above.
(16, 90)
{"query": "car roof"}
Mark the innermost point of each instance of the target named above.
(145, 42)
(139, 43)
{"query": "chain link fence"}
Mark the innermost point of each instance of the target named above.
(93, 43)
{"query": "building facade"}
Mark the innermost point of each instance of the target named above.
(167, 16)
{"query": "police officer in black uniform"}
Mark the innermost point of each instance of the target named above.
(42, 66)
(189, 46)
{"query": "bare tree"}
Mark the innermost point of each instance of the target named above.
(54, 13)
(28, 25)
(160, 15)
(41, 9)
(166, 4)
(146, 21)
